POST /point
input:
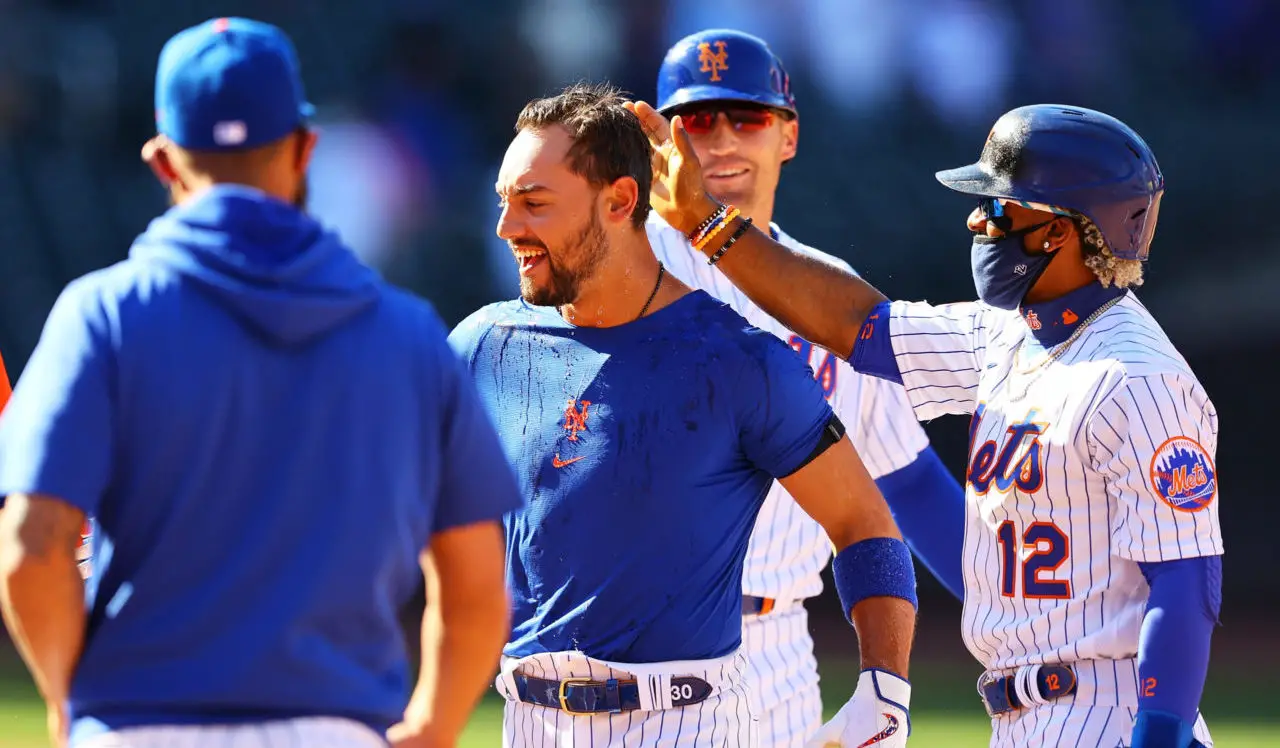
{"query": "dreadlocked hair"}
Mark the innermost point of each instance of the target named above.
(1100, 259)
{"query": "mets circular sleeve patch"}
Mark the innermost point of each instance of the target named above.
(1183, 475)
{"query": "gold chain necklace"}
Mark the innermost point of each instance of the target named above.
(1039, 367)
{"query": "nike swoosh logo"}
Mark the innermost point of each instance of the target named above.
(557, 462)
(885, 733)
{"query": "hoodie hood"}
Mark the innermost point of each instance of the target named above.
(271, 265)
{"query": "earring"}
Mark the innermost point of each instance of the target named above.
(1046, 245)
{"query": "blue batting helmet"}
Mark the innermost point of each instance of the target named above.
(1049, 156)
(723, 65)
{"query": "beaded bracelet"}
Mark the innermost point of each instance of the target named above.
(742, 229)
(718, 218)
(709, 225)
(697, 233)
(725, 221)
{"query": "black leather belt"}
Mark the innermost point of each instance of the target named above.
(1000, 696)
(588, 696)
(757, 606)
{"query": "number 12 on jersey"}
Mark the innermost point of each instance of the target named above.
(1046, 548)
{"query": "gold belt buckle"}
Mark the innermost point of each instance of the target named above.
(564, 706)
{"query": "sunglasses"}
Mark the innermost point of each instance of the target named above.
(702, 120)
(992, 209)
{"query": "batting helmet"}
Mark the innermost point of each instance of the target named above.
(1065, 158)
(723, 65)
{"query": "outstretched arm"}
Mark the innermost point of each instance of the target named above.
(823, 302)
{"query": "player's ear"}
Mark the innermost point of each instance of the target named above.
(790, 137)
(156, 157)
(621, 199)
(1058, 233)
(306, 140)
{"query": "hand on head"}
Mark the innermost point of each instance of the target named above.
(677, 193)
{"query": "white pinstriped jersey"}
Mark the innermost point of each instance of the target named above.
(788, 550)
(1106, 461)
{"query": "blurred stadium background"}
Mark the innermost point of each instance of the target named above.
(416, 101)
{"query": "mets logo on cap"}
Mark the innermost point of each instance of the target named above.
(713, 62)
(1182, 474)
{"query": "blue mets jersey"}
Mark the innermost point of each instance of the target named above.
(644, 452)
(267, 436)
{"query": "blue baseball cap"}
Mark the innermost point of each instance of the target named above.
(229, 84)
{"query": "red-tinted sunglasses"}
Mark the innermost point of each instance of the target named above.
(702, 120)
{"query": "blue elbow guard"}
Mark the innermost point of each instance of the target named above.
(875, 567)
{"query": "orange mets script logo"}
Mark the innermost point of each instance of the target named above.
(1015, 463)
(713, 62)
(575, 418)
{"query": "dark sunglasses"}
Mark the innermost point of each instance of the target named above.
(993, 212)
(701, 120)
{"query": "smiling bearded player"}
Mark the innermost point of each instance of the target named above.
(646, 423)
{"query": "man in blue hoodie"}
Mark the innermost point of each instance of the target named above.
(271, 442)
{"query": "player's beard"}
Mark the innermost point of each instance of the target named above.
(586, 250)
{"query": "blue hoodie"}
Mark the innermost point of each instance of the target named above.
(267, 436)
